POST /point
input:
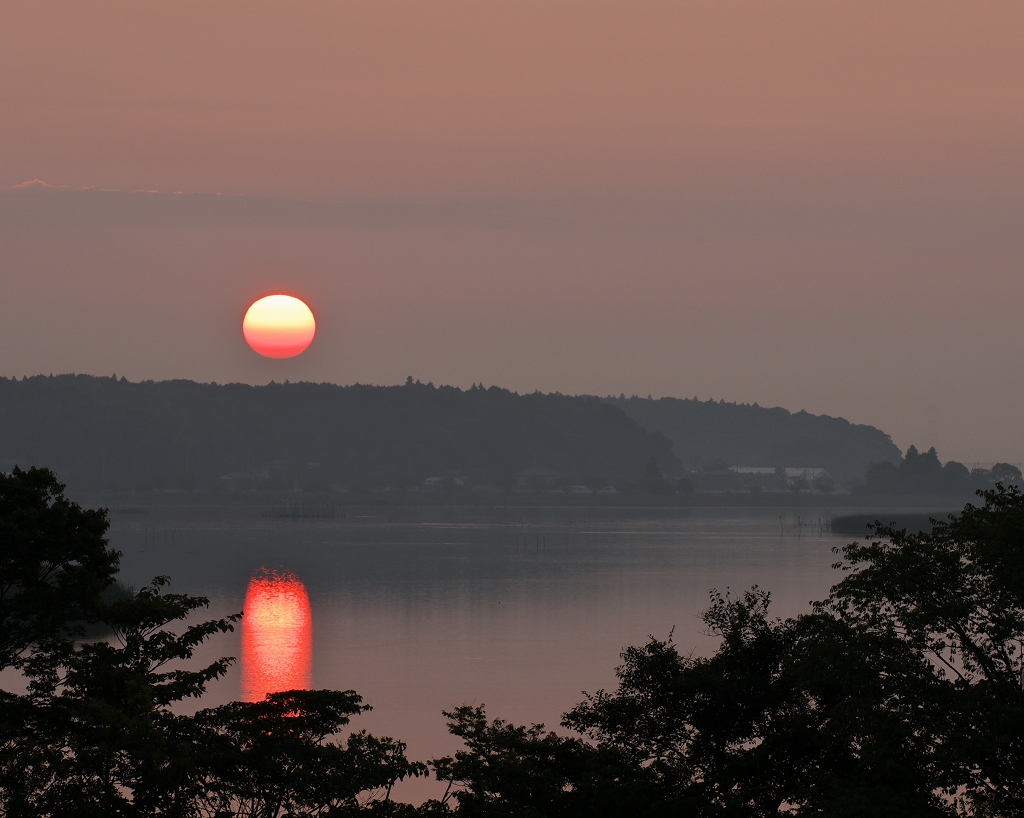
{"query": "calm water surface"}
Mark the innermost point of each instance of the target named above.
(421, 610)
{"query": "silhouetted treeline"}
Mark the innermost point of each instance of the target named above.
(96, 734)
(107, 433)
(752, 435)
(923, 474)
(113, 434)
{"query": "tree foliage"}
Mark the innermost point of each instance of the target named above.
(899, 695)
(955, 597)
(54, 562)
(113, 434)
(923, 473)
(96, 734)
(752, 435)
(278, 757)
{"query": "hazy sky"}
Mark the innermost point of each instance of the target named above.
(814, 205)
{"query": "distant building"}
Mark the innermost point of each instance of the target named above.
(538, 477)
(805, 472)
(238, 481)
(440, 483)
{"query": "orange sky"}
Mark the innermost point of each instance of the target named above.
(811, 204)
(396, 97)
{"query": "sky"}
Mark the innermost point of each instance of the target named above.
(812, 205)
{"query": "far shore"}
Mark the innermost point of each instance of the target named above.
(318, 504)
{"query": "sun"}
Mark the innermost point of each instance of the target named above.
(279, 326)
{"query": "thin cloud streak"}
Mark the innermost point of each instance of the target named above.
(30, 184)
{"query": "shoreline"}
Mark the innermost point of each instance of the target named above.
(312, 504)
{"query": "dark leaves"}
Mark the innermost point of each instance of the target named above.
(54, 562)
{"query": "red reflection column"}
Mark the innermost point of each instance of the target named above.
(277, 636)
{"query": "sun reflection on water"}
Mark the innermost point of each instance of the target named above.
(277, 636)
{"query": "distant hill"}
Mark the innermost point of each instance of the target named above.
(751, 435)
(107, 433)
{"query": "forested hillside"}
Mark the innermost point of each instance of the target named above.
(109, 433)
(752, 435)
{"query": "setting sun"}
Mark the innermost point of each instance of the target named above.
(279, 326)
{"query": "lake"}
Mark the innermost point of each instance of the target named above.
(424, 609)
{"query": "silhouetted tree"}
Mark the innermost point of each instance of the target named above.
(1007, 474)
(923, 474)
(96, 733)
(653, 481)
(797, 484)
(899, 695)
(98, 729)
(54, 562)
(823, 484)
(955, 597)
(278, 756)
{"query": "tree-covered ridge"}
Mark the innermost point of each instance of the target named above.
(750, 435)
(110, 433)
